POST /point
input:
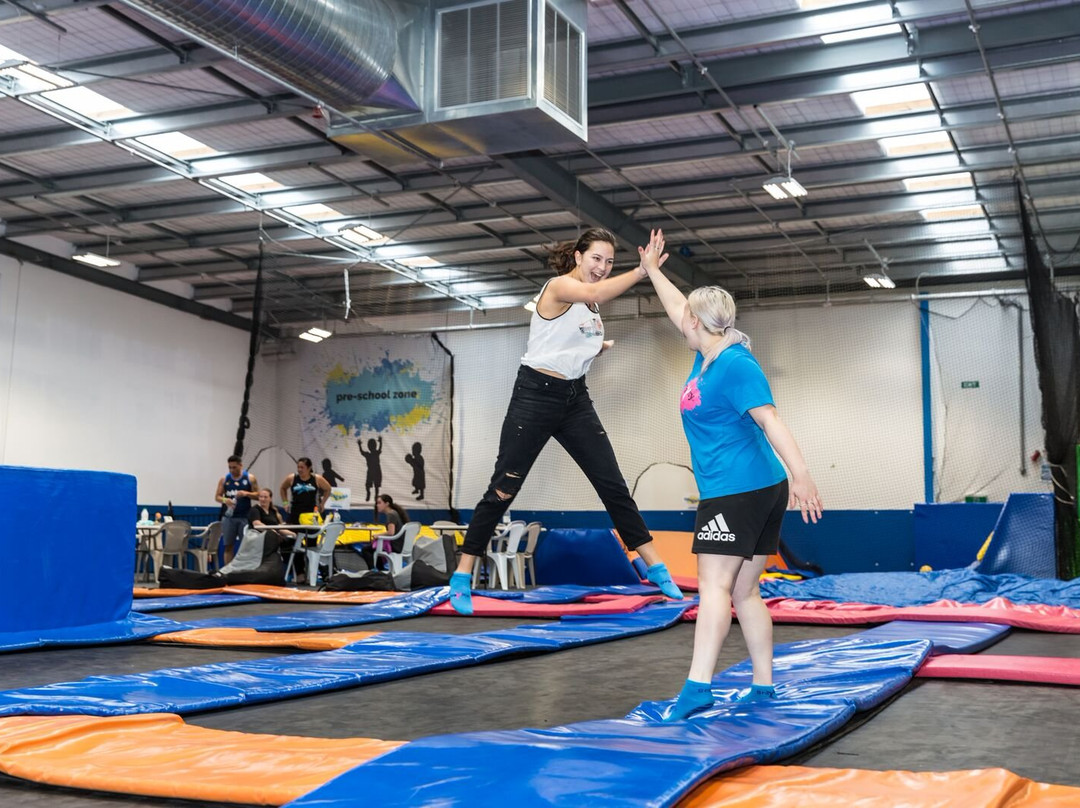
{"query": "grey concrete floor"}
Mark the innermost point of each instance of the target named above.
(934, 725)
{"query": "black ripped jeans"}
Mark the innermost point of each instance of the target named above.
(544, 407)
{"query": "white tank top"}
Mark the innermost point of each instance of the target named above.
(566, 344)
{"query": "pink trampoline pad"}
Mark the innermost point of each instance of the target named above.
(605, 604)
(1041, 670)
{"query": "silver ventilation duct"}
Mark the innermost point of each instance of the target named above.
(339, 52)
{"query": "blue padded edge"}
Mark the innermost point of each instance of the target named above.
(637, 760)
(190, 602)
(948, 638)
(591, 556)
(619, 762)
(132, 628)
(386, 656)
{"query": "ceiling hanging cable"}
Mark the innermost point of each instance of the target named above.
(253, 352)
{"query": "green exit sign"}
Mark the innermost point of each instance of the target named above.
(968, 385)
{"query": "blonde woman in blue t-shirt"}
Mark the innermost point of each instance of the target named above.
(734, 434)
(550, 400)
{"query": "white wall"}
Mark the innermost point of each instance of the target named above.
(95, 379)
(92, 378)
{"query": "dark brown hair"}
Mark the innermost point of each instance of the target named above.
(561, 256)
(403, 515)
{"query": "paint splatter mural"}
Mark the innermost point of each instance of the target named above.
(378, 410)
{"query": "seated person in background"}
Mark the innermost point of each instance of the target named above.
(264, 512)
(396, 516)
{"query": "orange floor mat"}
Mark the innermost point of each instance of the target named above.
(158, 755)
(805, 787)
(250, 638)
(162, 592)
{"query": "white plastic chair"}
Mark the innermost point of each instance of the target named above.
(321, 554)
(532, 532)
(398, 561)
(173, 545)
(505, 559)
(205, 552)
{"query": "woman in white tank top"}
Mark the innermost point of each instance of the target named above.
(550, 400)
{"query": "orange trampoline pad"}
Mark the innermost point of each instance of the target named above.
(158, 755)
(250, 638)
(805, 787)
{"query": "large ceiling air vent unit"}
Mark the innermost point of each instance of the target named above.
(499, 76)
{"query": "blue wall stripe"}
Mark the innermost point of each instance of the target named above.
(928, 422)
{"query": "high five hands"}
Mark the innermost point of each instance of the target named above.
(653, 256)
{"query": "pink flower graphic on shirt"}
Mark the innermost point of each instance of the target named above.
(691, 396)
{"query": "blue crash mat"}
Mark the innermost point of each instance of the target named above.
(388, 655)
(638, 761)
(133, 627)
(190, 602)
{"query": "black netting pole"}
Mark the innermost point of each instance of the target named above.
(1056, 328)
(253, 352)
(450, 492)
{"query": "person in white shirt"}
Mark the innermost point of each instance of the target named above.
(550, 400)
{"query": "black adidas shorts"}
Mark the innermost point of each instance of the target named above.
(746, 524)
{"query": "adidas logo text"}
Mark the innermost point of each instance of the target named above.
(716, 530)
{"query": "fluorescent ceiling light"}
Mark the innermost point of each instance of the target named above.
(939, 182)
(315, 212)
(89, 103)
(861, 33)
(783, 188)
(904, 145)
(892, 100)
(253, 182)
(95, 260)
(878, 280)
(418, 262)
(958, 212)
(307, 335)
(321, 333)
(178, 145)
(363, 235)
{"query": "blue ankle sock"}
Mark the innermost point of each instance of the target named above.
(759, 693)
(694, 696)
(659, 575)
(461, 592)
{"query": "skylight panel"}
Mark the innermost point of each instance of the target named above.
(861, 33)
(178, 145)
(924, 143)
(253, 182)
(939, 182)
(89, 103)
(892, 100)
(314, 212)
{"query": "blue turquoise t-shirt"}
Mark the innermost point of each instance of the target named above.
(729, 451)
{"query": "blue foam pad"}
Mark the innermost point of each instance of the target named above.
(637, 760)
(566, 593)
(948, 638)
(64, 573)
(388, 655)
(586, 557)
(132, 628)
(191, 602)
(922, 588)
(1023, 542)
(611, 763)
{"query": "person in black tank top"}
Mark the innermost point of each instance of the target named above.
(304, 491)
(550, 400)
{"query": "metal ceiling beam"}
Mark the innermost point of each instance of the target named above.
(707, 41)
(30, 255)
(185, 120)
(12, 14)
